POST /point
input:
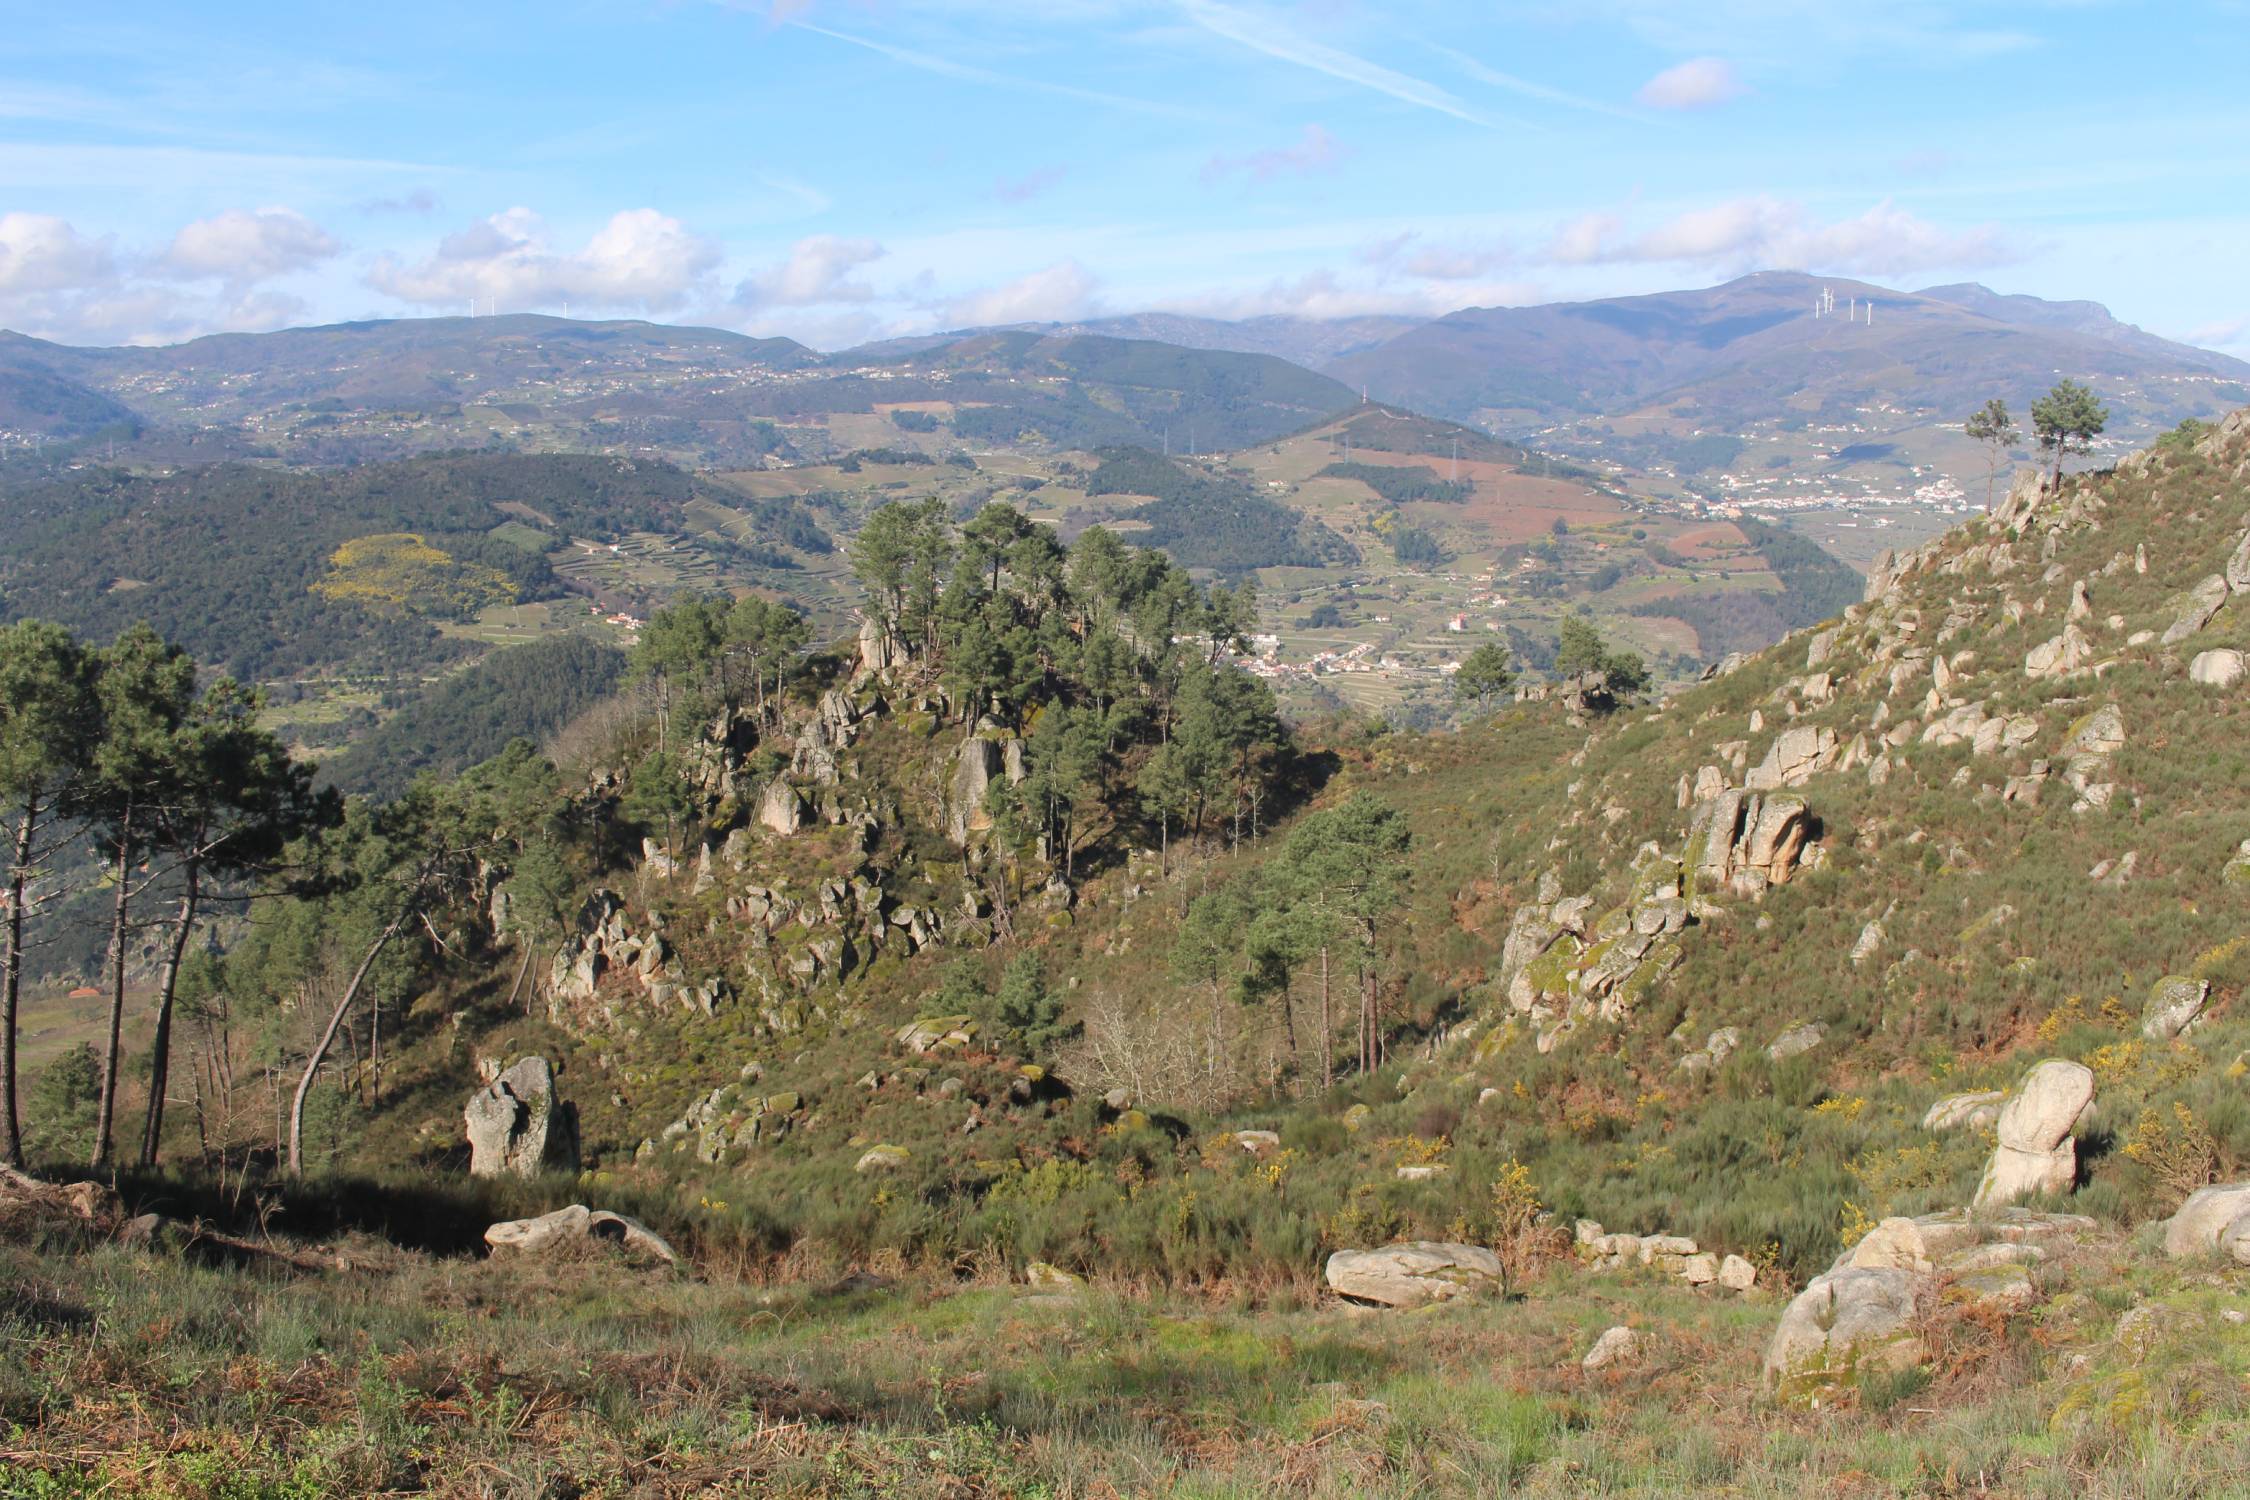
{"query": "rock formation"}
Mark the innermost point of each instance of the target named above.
(1414, 1274)
(1860, 1314)
(519, 1127)
(2214, 1220)
(577, 1225)
(2036, 1153)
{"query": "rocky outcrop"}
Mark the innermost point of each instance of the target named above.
(519, 1127)
(2175, 1007)
(605, 946)
(1795, 757)
(732, 1118)
(1674, 1254)
(1861, 1314)
(2197, 609)
(578, 1225)
(1562, 964)
(1979, 1111)
(1743, 842)
(2214, 1221)
(977, 762)
(1414, 1274)
(2063, 656)
(2088, 751)
(2036, 1153)
(937, 1033)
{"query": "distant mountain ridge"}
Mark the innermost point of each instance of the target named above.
(703, 396)
(1524, 367)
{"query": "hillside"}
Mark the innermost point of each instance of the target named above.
(247, 566)
(1027, 1133)
(359, 392)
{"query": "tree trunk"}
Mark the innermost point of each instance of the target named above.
(1289, 1024)
(517, 988)
(160, 1049)
(327, 1040)
(1218, 1031)
(11, 1126)
(1371, 1006)
(1327, 1027)
(108, 1113)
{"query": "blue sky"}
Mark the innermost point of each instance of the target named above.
(839, 170)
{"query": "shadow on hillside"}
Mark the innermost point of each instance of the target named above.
(436, 1217)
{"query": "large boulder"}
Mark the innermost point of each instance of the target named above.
(576, 1225)
(2067, 653)
(2036, 1154)
(1414, 1274)
(518, 1126)
(979, 761)
(1854, 1318)
(877, 654)
(1745, 842)
(2175, 1007)
(2222, 668)
(1976, 1111)
(2214, 1219)
(2197, 608)
(1616, 1346)
(780, 808)
(1795, 757)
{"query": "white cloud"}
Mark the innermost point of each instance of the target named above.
(641, 258)
(1764, 233)
(1061, 291)
(817, 272)
(41, 253)
(1315, 150)
(240, 247)
(1404, 253)
(56, 283)
(1698, 83)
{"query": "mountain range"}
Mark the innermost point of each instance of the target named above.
(1674, 388)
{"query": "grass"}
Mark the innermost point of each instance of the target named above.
(585, 1377)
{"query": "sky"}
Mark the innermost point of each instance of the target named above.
(839, 171)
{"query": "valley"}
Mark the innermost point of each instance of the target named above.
(1377, 959)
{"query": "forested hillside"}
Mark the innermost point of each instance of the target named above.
(1206, 520)
(527, 691)
(231, 560)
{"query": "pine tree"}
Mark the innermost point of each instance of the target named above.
(48, 720)
(1992, 426)
(233, 799)
(1484, 675)
(145, 687)
(2066, 421)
